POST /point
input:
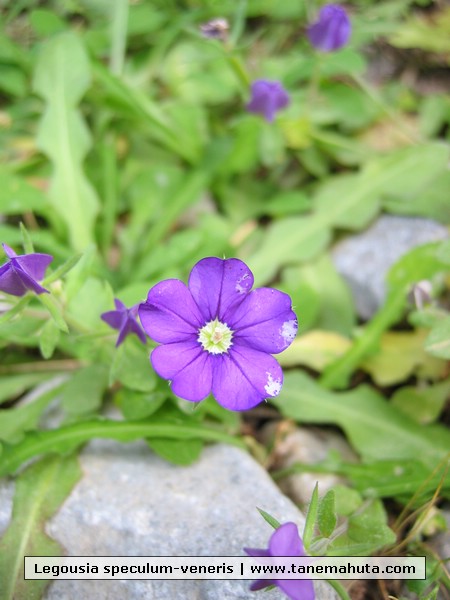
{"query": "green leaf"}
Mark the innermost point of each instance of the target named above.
(48, 339)
(178, 452)
(288, 240)
(62, 270)
(138, 405)
(438, 340)
(14, 422)
(55, 310)
(26, 240)
(375, 428)
(68, 438)
(326, 518)
(422, 403)
(365, 529)
(268, 518)
(131, 367)
(311, 518)
(62, 77)
(13, 386)
(83, 393)
(40, 490)
(17, 196)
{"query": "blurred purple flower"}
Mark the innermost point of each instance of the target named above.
(22, 272)
(124, 320)
(284, 541)
(217, 335)
(332, 29)
(267, 98)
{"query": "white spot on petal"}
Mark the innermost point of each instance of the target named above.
(289, 331)
(241, 289)
(273, 386)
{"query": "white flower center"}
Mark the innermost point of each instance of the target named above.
(215, 337)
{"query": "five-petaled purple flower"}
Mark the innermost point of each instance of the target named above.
(124, 319)
(332, 29)
(22, 272)
(217, 335)
(267, 98)
(285, 541)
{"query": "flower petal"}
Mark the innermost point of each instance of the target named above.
(260, 584)
(285, 541)
(297, 589)
(34, 264)
(187, 365)
(243, 377)
(170, 314)
(264, 321)
(256, 551)
(114, 318)
(28, 281)
(10, 282)
(216, 285)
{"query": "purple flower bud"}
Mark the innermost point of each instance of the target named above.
(124, 320)
(332, 30)
(267, 98)
(285, 541)
(22, 272)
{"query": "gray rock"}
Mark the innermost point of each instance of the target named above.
(130, 502)
(364, 260)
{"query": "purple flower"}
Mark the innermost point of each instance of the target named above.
(217, 335)
(124, 319)
(22, 272)
(267, 98)
(285, 541)
(332, 30)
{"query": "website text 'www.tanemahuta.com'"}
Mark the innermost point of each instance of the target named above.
(223, 567)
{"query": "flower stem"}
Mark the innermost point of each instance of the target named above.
(339, 589)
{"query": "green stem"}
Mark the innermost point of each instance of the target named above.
(339, 372)
(339, 589)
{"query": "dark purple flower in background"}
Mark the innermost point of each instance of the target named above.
(124, 320)
(22, 272)
(267, 98)
(217, 335)
(285, 541)
(332, 29)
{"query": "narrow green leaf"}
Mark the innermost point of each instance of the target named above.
(311, 518)
(268, 518)
(62, 270)
(67, 438)
(49, 338)
(13, 386)
(50, 304)
(26, 239)
(16, 309)
(40, 490)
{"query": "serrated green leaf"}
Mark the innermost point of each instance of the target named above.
(40, 490)
(376, 429)
(62, 77)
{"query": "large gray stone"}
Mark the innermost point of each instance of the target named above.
(130, 502)
(364, 260)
